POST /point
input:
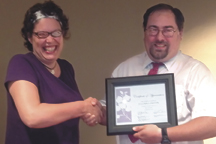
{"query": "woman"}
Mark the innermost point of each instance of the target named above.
(44, 103)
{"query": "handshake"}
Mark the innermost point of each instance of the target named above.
(94, 112)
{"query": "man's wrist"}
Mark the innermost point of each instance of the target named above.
(165, 138)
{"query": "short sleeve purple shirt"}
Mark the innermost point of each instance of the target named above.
(51, 90)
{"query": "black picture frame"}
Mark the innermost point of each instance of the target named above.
(161, 96)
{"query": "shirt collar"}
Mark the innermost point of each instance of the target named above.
(147, 61)
(170, 62)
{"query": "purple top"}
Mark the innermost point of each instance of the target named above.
(51, 90)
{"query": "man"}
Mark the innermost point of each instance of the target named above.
(194, 84)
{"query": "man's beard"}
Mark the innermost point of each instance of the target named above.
(159, 53)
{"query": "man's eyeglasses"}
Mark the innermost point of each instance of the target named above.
(167, 32)
(45, 34)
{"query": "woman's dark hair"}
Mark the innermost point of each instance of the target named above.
(179, 18)
(47, 8)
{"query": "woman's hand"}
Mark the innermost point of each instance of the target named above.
(94, 113)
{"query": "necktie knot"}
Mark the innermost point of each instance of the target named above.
(154, 70)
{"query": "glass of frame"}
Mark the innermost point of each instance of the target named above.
(140, 100)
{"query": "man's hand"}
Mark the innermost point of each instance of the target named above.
(148, 133)
(94, 116)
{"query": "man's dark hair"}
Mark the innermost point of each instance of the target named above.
(179, 18)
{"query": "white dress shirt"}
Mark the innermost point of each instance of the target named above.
(195, 87)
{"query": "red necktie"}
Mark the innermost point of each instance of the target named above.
(153, 71)
(132, 138)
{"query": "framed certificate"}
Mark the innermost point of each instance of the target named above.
(140, 100)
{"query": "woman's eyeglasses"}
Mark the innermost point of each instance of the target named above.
(45, 34)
